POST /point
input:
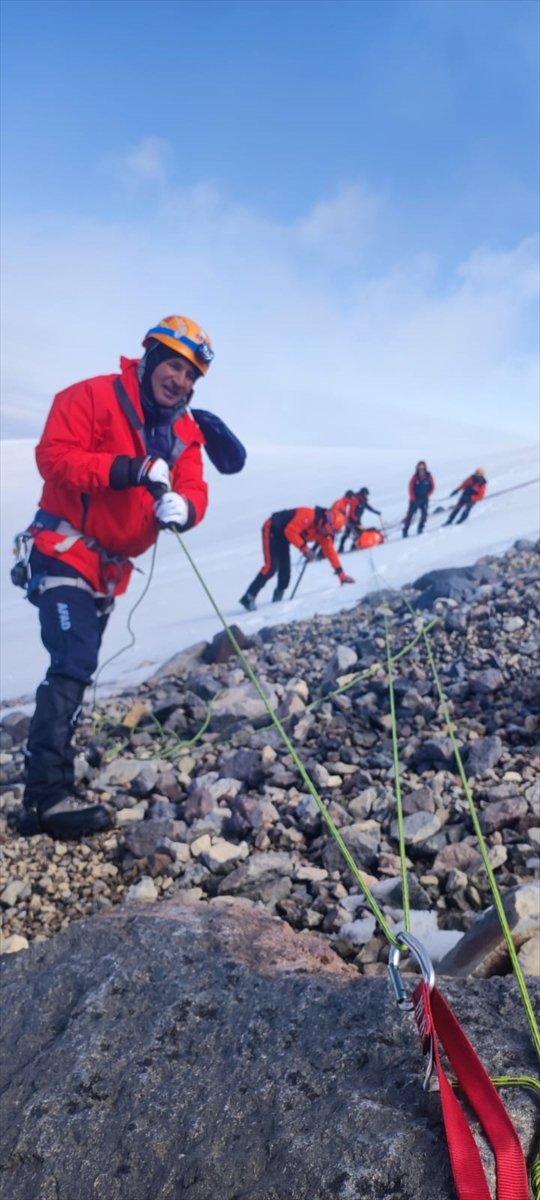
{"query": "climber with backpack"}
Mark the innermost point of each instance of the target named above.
(472, 490)
(311, 530)
(121, 459)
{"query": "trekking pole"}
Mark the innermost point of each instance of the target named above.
(299, 580)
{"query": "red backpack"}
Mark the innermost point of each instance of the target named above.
(368, 538)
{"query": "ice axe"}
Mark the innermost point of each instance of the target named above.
(299, 580)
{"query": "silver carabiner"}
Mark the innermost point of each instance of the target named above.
(421, 955)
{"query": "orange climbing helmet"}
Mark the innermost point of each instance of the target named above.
(185, 337)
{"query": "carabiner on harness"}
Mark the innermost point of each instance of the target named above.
(22, 549)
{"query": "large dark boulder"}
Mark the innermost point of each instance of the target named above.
(455, 583)
(208, 1052)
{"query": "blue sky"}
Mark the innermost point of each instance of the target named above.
(366, 170)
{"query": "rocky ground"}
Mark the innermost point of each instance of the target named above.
(208, 802)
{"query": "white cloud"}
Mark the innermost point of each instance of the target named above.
(305, 351)
(147, 162)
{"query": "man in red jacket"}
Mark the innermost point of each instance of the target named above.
(121, 459)
(472, 490)
(296, 527)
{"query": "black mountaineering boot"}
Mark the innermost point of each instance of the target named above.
(248, 602)
(278, 594)
(49, 806)
(68, 819)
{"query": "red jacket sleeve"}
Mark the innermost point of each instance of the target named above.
(431, 484)
(329, 550)
(63, 454)
(411, 488)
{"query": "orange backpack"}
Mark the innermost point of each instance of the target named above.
(368, 538)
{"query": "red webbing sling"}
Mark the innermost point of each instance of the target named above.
(436, 1021)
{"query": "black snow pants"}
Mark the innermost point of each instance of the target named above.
(277, 557)
(72, 624)
(463, 506)
(415, 506)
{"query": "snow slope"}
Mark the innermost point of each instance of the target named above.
(175, 612)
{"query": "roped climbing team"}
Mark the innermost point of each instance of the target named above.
(121, 458)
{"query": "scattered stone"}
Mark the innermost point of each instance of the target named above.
(482, 951)
(220, 852)
(144, 889)
(529, 956)
(483, 754)
(190, 760)
(12, 945)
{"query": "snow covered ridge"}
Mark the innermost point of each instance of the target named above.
(228, 816)
(227, 547)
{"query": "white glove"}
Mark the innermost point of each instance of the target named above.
(155, 475)
(171, 511)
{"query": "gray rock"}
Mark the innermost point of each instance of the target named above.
(437, 753)
(17, 725)
(512, 624)
(244, 765)
(501, 813)
(265, 876)
(342, 662)
(482, 950)
(181, 663)
(242, 701)
(206, 793)
(421, 800)
(146, 781)
(362, 845)
(123, 771)
(174, 1056)
(417, 827)
(221, 649)
(250, 813)
(462, 856)
(221, 852)
(483, 754)
(307, 815)
(147, 837)
(144, 889)
(487, 681)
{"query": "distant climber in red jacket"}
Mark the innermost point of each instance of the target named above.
(472, 490)
(421, 487)
(121, 458)
(358, 505)
(296, 527)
